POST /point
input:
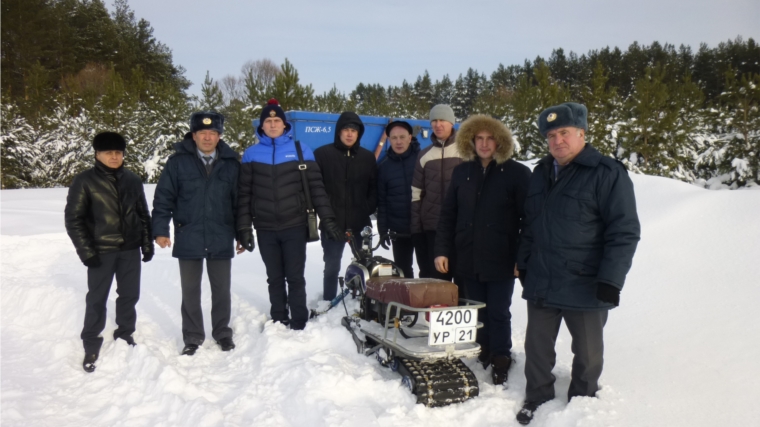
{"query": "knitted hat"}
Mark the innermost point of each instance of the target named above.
(107, 141)
(398, 123)
(203, 120)
(563, 115)
(442, 112)
(272, 109)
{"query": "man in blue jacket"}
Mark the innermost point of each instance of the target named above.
(394, 194)
(197, 190)
(577, 244)
(272, 198)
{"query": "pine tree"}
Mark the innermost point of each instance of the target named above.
(423, 93)
(332, 101)
(443, 92)
(289, 92)
(533, 95)
(655, 139)
(371, 100)
(212, 98)
(733, 158)
(18, 149)
(604, 108)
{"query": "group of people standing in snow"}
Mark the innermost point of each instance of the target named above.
(471, 213)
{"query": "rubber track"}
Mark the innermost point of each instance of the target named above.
(440, 383)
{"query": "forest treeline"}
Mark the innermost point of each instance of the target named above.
(71, 69)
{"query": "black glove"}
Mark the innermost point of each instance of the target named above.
(333, 231)
(148, 255)
(93, 262)
(607, 293)
(385, 241)
(245, 238)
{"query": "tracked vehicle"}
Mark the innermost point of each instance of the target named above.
(419, 328)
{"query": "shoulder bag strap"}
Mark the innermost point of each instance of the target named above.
(305, 182)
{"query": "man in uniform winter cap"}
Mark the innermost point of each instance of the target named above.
(577, 243)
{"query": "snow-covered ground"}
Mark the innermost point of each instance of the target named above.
(682, 350)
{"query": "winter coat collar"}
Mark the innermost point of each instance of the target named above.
(102, 168)
(285, 138)
(187, 146)
(450, 140)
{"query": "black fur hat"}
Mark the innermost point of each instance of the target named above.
(206, 120)
(563, 115)
(107, 141)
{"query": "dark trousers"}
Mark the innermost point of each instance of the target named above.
(496, 334)
(333, 254)
(403, 252)
(125, 265)
(191, 273)
(588, 349)
(284, 255)
(425, 260)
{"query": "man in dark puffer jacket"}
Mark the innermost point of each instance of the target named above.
(273, 199)
(349, 172)
(394, 193)
(108, 221)
(198, 192)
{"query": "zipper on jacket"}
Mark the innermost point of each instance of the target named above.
(443, 189)
(274, 184)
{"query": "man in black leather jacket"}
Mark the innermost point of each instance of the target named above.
(108, 221)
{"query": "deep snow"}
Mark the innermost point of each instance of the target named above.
(682, 350)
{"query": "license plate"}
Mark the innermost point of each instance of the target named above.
(453, 326)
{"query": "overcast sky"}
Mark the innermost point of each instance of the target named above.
(346, 42)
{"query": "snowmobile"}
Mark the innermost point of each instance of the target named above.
(419, 328)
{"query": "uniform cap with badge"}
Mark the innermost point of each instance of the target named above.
(203, 120)
(563, 115)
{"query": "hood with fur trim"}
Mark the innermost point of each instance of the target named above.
(505, 146)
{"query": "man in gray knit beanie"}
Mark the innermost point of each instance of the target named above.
(432, 175)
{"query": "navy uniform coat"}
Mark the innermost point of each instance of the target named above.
(578, 231)
(202, 207)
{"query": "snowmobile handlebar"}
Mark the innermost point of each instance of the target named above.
(365, 252)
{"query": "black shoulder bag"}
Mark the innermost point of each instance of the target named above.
(311, 215)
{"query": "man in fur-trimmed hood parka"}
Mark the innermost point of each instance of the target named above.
(480, 221)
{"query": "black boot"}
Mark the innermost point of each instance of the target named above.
(129, 339)
(88, 364)
(189, 349)
(525, 415)
(500, 370)
(226, 343)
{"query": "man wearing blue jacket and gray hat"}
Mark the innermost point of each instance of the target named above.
(577, 244)
(198, 192)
